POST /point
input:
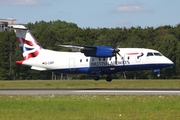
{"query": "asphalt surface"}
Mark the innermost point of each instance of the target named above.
(90, 91)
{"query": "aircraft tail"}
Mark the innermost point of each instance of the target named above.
(29, 46)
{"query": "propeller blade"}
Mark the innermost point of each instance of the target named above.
(116, 59)
(116, 51)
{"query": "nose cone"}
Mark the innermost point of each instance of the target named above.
(169, 63)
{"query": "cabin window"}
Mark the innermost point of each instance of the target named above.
(80, 60)
(104, 59)
(149, 54)
(99, 59)
(157, 54)
(92, 59)
(86, 60)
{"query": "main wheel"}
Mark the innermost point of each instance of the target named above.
(96, 78)
(108, 78)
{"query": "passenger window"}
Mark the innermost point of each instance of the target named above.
(157, 54)
(149, 54)
(80, 60)
(86, 60)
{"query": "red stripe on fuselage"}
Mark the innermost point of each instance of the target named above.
(132, 53)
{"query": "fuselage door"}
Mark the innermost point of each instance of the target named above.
(71, 64)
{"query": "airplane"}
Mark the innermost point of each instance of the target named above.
(93, 60)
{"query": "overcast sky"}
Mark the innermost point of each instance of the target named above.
(95, 13)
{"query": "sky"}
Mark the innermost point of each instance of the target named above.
(95, 13)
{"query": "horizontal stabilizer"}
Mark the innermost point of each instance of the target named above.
(18, 27)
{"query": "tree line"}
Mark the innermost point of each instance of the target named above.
(165, 39)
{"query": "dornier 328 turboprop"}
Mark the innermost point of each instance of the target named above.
(93, 60)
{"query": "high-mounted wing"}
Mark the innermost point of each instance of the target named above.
(95, 51)
(76, 47)
(72, 46)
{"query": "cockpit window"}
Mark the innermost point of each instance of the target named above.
(154, 54)
(149, 54)
(157, 54)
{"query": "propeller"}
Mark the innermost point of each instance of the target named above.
(116, 52)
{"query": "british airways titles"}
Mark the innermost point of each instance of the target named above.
(110, 63)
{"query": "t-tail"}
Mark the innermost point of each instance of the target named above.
(29, 46)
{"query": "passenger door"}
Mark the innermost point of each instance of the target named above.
(71, 64)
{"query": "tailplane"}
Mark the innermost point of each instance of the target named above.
(29, 46)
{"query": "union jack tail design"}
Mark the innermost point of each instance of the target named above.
(27, 43)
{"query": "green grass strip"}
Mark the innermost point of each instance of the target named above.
(149, 84)
(89, 107)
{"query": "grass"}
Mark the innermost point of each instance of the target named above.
(121, 84)
(89, 107)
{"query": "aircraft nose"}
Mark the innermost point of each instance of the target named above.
(169, 63)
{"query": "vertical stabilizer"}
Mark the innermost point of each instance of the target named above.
(27, 42)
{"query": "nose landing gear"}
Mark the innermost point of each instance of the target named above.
(158, 74)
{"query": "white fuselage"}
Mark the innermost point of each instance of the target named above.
(77, 62)
(95, 60)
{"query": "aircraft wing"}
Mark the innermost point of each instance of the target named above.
(94, 51)
(76, 46)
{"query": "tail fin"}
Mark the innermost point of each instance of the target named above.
(27, 43)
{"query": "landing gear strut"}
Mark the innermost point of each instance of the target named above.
(158, 75)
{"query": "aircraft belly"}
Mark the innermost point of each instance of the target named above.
(107, 69)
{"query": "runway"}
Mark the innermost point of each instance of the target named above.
(89, 91)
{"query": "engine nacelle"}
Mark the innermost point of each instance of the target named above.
(98, 51)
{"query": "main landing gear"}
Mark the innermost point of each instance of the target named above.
(108, 78)
(96, 77)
